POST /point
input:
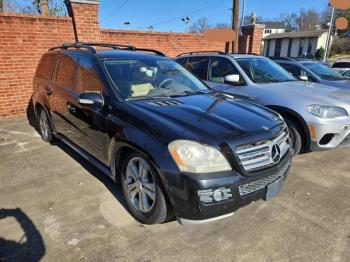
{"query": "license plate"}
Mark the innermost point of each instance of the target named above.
(274, 188)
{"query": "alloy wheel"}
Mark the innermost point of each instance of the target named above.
(44, 124)
(140, 184)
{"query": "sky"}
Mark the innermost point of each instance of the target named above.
(165, 15)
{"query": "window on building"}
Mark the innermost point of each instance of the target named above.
(66, 72)
(268, 31)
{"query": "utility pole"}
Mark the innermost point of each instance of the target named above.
(328, 41)
(44, 7)
(235, 24)
(1, 6)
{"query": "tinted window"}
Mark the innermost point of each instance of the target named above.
(198, 66)
(151, 77)
(347, 74)
(323, 71)
(341, 65)
(297, 71)
(87, 77)
(46, 65)
(182, 61)
(221, 67)
(66, 72)
(261, 70)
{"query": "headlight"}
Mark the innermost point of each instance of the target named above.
(197, 158)
(327, 111)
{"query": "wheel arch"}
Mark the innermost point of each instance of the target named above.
(297, 119)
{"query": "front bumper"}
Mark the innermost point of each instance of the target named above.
(187, 199)
(332, 135)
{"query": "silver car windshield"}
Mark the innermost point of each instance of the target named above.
(261, 70)
(151, 77)
(323, 71)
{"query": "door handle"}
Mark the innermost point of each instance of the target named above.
(48, 91)
(71, 108)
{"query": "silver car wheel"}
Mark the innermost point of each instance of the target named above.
(140, 184)
(44, 124)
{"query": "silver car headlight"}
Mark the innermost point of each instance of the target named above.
(197, 158)
(324, 111)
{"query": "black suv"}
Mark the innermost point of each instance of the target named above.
(177, 147)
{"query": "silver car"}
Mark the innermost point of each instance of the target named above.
(317, 115)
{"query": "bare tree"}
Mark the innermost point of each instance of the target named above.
(55, 7)
(222, 25)
(200, 25)
(301, 21)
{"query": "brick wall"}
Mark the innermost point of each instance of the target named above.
(24, 38)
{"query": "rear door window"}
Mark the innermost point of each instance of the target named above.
(66, 72)
(182, 61)
(46, 65)
(198, 66)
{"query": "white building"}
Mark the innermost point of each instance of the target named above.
(273, 28)
(294, 44)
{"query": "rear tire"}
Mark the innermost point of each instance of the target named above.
(142, 190)
(45, 126)
(295, 136)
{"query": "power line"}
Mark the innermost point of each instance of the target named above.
(191, 13)
(115, 10)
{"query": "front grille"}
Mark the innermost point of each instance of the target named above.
(252, 187)
(261, 155)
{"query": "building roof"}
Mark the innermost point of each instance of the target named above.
(273, 25)
(300, 34)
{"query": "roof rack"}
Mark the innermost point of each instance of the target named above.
(200, 52)
(90, 47)
(240, 53)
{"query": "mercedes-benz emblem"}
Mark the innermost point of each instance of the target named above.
(276, 153)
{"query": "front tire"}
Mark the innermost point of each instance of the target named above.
(142, 190)
(295, 136)
(45, 126)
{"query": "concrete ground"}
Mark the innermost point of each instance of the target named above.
(57, 207)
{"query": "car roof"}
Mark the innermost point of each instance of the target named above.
(107, 54)
(220, 55)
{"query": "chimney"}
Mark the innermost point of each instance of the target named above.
(253, 19)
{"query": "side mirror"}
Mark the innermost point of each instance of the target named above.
(90, 99)
(303, 78)
(232, 79)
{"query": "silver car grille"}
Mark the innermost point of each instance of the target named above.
(262, 183)
(270, 152)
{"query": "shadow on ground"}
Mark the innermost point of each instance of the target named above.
(31, 245)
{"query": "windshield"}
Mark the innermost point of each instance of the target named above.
(323, 71)
(261, 70)
(151, 77)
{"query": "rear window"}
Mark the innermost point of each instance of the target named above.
(66, 72)
(46, 66)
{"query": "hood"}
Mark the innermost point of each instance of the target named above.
(345, 84)
(312, 92)
(213, 115)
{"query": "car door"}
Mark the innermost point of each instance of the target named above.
(91, 121)
(63, 94)
(298, 72)
(219, 68)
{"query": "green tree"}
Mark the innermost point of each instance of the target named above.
(319, 53)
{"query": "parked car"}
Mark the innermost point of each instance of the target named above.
(317, 115)
(315, 72)
(175, 145)
(341, 66)
(346, 73)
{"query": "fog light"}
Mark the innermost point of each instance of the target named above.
(217, 195)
